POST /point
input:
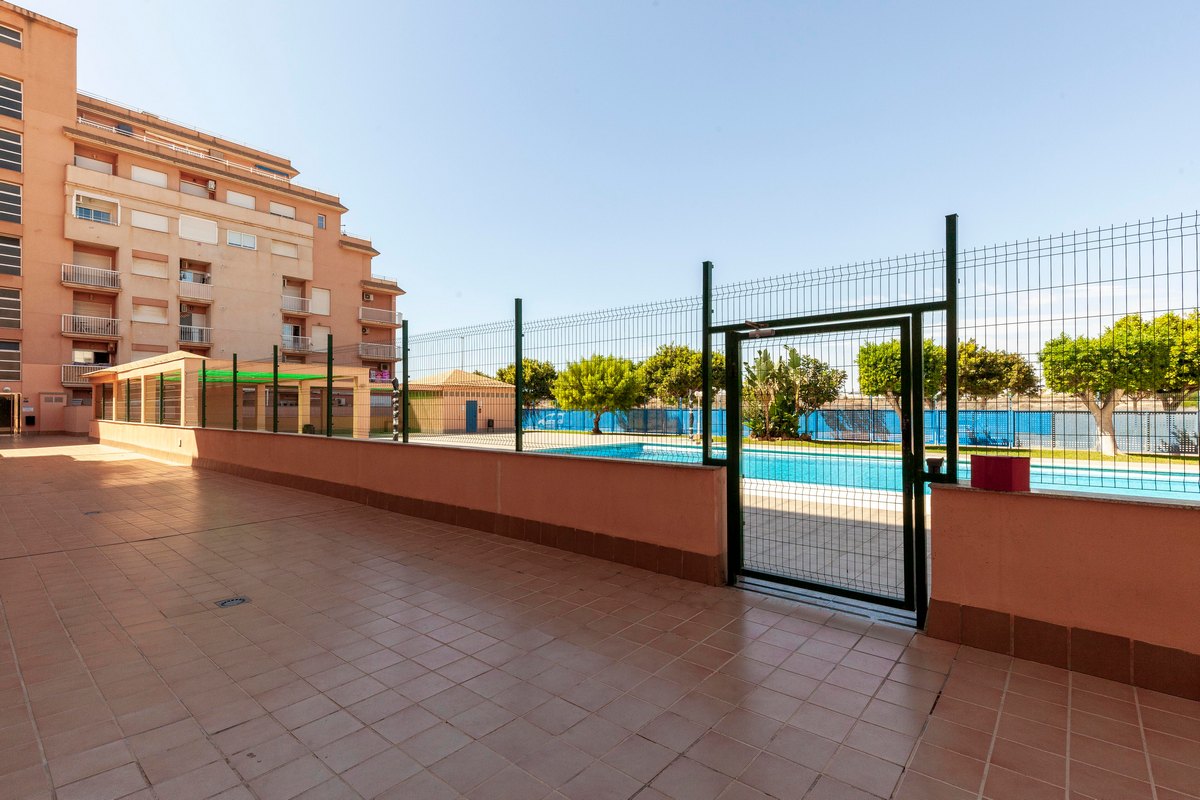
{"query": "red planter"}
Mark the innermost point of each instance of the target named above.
(1000, 473)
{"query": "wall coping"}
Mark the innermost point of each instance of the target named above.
(1087, 497)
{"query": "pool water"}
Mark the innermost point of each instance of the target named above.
(882, 472)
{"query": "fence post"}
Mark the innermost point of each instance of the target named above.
(161, 399)
(329, 384)
(128, 405)
(952, 347)
(404, 381)
(706, 393)
(235, 392)
(519, 374)
(204, 394)
(275, 388)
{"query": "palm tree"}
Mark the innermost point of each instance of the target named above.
(762, 382)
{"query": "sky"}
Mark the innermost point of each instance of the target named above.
(583, 155)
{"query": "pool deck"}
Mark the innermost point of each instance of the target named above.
(386, 656)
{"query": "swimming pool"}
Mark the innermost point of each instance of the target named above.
(882, 472)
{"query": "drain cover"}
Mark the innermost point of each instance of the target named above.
(229, 602)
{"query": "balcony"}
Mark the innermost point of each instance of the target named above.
(191, 290)
(296, 344)
(380, 316)
(91, 277)
(295, 305)
(191, 334)
(95, 215)
(76, 374)
(379, 352)
(102, 327)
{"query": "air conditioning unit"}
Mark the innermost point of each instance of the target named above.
(212, 186)
(368, 297)
(184, 308)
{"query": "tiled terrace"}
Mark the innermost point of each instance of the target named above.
(386, 656)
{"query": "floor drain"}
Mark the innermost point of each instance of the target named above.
(229, 602)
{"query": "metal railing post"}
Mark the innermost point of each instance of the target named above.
(203, 395)
(952, 347)
(127, 403)
(518, 375)
(329, 384)
(235, 392)
(161, 399)
(706, 376)
(275, 389)
(733, 455)
(404, 381)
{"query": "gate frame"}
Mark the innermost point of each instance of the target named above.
(912, 413)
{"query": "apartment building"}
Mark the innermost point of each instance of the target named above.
(124, 235)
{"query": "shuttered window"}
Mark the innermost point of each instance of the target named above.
(10, 36)
(151, 222)
(286, 249)
(150, 176)
(10, 255)
(280, 210)
(197, 229)
(239, 199)
(12, 99)
(10, 151)
(247, 241)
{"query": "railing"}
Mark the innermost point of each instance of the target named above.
(383, 278)
(300, 305)
(195, 291)
(178, 148)
(75, 374)
(91, 276)
(94, 215)
(301, 344)
(195, 335)
(90, 326)
(383, 315)
(381, 352)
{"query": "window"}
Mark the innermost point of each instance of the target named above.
(197, 229)
(239, 199)
(148, 313)
(151, 222)
(10, 36)
(150, 176)
(149, 267)
(11, 98)
(197, 186)
(280, 210)
(321, 221)
(96, 209)
(10, 151)
(10, 361)
(94, 164)
(286, 249)
(10, 202)
(319, 301)
(247, 241)
(10, 255)
(10, 308)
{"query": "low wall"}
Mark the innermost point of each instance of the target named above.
(1110, 587)
(669, 518)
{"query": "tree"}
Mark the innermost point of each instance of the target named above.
(762, 384)
(812, 382)
(676, 372)
(1100, 371)
(538, 378)
(879, 371)
(598, 384)
(985, 374)
(1182, 337)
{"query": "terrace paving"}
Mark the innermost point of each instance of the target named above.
(386, 656)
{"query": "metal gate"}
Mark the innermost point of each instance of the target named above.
(842, 514)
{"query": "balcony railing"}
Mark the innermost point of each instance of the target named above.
(195, 335)
(90, 326)
(386, 316)
(195, 291)
(75, 374)
(378, 352)
(91, 276)
(94, 215)
(302, 344)
(298, 305)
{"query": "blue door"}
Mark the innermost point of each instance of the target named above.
(472, 416)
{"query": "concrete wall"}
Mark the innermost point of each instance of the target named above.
(1105, 586)
(669, 518)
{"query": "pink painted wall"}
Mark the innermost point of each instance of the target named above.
(1125, 567)
(672, 505)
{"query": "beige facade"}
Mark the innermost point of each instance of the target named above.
(462, 402)
(125, 236)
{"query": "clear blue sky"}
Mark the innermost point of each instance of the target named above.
(591, 154)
